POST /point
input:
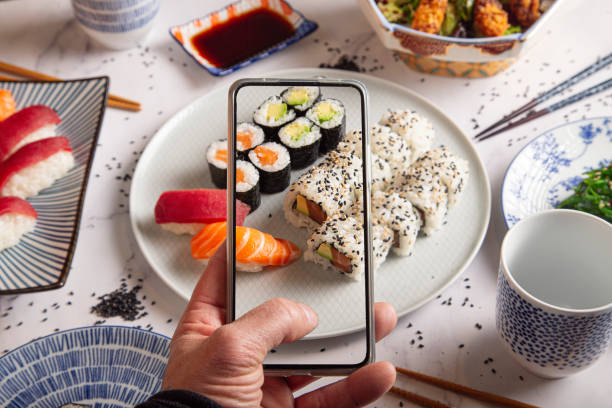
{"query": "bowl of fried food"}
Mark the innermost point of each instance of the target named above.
(459, 38)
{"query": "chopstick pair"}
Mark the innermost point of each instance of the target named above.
(498, 400)
(113, 100)
(585, 73)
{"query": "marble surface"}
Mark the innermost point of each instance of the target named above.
(456, 331)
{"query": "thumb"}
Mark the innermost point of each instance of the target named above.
(265, 327)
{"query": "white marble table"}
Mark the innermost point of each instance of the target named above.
(45, 37)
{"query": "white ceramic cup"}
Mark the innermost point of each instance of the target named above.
(116, 24)
(554, 291)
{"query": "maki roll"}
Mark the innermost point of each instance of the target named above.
(216, 155)
(17, 218)
(347, 167)
(248, 136)
(390, 147)
(274, 165)
(35, 166)
(301, 98)
(272, 115)
(416, 130)
(397, 213)
(247, 184)
(380, 169)
(302, 138)
(329, 115)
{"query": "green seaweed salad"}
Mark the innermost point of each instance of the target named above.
(593, 194)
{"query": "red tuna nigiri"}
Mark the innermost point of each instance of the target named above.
(17, 217)
(27, 125)
(254, 249)
(35, 166)
(187, 211)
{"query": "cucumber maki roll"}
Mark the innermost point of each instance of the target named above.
(329, 115)
(248, 135)
(247, 184)
(302, 138)
(301, 98)
(216, 155)
(274, 165)
(272, 115)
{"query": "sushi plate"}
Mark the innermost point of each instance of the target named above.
(98, 366)
(547, 169)
(176, 159)
(41, 260)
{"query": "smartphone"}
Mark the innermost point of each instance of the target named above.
(298, 157)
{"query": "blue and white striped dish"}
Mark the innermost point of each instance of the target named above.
(548, 168)
(99, 366)
(115, 16)
(41, 260)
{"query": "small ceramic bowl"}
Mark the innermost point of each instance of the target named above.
(450, 56)
(183, 33)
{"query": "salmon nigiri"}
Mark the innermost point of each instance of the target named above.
(7, 104)
(254, 249)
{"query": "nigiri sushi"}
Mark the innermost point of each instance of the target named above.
(35, 166)
(254, 249)
(7, 104)
(17, 217)
(26, 126)
(188, 211)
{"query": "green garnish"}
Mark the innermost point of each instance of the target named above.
(399, 11)
(450, 20)
(465, 8)
(593, 194)
(512, 30)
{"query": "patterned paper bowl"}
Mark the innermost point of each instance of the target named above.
(450, 56)
(183, 33)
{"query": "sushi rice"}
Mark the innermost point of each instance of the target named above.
(248, 135)
(415, 129)
(44, 132)
(247, 190)
(380, 169)
(17, 218)
(390, 147)
(397, 213)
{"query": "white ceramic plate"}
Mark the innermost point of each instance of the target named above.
(547, 169)
(175, 159)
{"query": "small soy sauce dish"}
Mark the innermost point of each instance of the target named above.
(216, 41)
(554, 292)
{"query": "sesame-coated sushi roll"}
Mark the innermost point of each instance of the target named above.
(248, 135)
(415, 129)
(247, 184)
(315, 196)
(274, 165)
(380, 169)
(453, 171)
(390, 147)
(347, 166)
(301, 98)
(397, 213)
(17, 218)
(382, 234)
(26, 126)
(272, 115)
(330, 116)
(216, 156)
(35, 166)
(302, 138)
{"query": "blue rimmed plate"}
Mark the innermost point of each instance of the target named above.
(547, 169)
(41, 260)
(184, 32)
(99, 366)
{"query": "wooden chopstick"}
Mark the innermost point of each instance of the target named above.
(462, 389)
(585, 73)
(418, 399)
(113, 100)
(555, 106)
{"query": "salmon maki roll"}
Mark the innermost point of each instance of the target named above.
(17, 218)
(35, 166)
(30, 124)
(7, 104)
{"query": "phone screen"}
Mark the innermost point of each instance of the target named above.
(298, 167)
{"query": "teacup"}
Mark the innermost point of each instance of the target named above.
(554, 291)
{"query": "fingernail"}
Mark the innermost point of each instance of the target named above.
(311, 315)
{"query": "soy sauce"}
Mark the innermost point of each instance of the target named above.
(242, 37)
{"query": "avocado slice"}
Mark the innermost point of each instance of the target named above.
(325, 112)
(276, 111)
(325, 251)
(296, 131)
(301, 205)
(297, 96)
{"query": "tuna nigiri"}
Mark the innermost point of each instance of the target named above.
(254, 249)
(26, 126)
(17, 217)
(7, 104)
(35, 166)
(188, 211)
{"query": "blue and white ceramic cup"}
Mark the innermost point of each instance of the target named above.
(554, 291)
(116, 24)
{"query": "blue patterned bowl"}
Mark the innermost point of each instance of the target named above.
(41, 261)
(554, 292)
(100, 366)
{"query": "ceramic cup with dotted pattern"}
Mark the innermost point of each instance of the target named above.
(554, 291)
